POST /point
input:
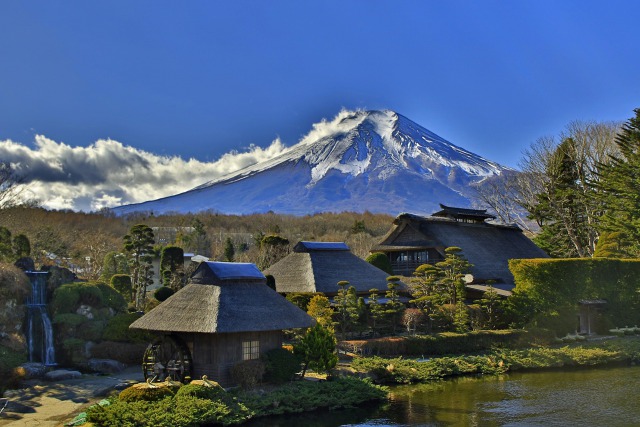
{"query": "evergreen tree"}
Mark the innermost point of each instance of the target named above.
(427, 291)
(320, 309)
(613, 245)
(461, 317)
(21, 246)
(317, 350)
(453, 268)
(619, 184)
(393, 307)
(491, 306)
(6, 251)
(172, 267)
(122, 284)
(114, 263)
(229, 250)
(346, 303)
(377, 311)
(138, 244)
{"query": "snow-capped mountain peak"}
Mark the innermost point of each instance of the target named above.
(360, 160)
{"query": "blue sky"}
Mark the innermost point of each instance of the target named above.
(197, 79)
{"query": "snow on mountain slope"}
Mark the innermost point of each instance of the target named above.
(364, 160)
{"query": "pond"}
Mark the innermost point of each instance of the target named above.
(586, 397)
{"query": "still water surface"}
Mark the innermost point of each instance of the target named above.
(587, 397)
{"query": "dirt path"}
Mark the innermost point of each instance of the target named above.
(46, 404)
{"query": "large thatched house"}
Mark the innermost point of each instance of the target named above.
(227, 314)
(414, 240)
(319, 266)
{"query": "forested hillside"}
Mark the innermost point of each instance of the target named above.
(81, 240)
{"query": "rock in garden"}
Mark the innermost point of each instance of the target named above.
(62, 374)
(33, 370)
(106, 366)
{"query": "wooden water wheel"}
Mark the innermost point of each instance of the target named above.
(167, 358)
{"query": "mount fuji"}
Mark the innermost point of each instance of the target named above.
(376, 161)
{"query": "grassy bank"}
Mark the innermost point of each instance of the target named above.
(196, 405)
(404, 371)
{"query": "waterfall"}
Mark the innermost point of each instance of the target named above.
(39, 328)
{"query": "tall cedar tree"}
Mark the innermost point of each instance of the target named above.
(138, 244)
(565, 230)
(620, 183)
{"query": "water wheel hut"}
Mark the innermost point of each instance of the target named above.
(225, 315)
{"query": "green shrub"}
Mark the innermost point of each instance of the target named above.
(91, 330)
(127, 353)
(144, 392)
(162, 293)
(69, 319)
(280, 365)
(214, 392)
(65, 299)
(117, 329)
(380, 260)
(111, 298)
(248, 373)
(9, 362)
(188, 408)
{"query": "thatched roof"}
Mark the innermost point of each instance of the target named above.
(487, 246)
(223, 298)
(319, 269)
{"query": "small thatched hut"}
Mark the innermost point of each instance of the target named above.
(414, 240)
(319, 266)
(227, 314)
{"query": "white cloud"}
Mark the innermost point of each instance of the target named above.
(343, 122)
(108, 173)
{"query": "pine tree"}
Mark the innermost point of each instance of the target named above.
(453, 269)
(317, 350)
(229, 250)
(346, 303)
(619, 184)
(393, 307)
(377, 311)
(138, 244)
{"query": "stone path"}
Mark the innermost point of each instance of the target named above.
(44, 403)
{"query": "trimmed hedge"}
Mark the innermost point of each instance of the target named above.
(446, 343)
(553, 285)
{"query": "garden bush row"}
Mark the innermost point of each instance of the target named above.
(446, 343)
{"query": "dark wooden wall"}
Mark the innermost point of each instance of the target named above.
(215, 354)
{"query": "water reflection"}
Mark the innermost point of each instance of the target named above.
(602, 397)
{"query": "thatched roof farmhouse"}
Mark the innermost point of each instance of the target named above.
(319, 266)
(414, 240)
(225, 315)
